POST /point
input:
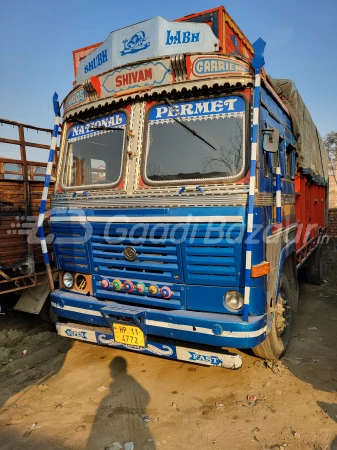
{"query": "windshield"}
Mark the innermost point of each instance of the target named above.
(95, 152)
(210, 148)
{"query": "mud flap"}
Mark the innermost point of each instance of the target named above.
(32, 299)
(104, 336)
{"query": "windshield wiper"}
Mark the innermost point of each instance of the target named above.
(183, 124)
(102, 127)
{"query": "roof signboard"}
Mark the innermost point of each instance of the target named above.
(205, 66)
(150, 39)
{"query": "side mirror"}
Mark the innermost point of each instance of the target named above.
(271, 139)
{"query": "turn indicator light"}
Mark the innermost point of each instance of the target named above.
(105, 283)
(128, 286)
(140, 287)
(153, 289)
(166, 292)
(117, 285)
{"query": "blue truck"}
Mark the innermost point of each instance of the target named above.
(177, 215)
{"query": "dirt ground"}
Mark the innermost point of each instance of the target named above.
(73, 396)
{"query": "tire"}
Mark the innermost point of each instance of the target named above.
(314, 271)
(276, 342)
(47, 314)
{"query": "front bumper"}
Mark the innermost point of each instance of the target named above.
(220, 330)
(166, 349)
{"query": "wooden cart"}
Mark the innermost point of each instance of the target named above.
(21, 183)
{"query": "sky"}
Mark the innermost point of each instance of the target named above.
(38, 36)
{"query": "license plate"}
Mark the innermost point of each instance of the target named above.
(128, 335)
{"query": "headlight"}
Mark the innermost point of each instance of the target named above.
(68, 280)
(234, 300)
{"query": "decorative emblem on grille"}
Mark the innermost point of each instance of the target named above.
(130, 253)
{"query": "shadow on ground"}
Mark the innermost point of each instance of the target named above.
(122, 414)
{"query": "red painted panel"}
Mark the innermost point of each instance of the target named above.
(81, 53)
(232, 39)
(310, 209)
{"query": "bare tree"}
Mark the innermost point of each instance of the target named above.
(330, 142)
(154, 170)
(229, 155)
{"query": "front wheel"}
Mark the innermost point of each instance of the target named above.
(276, 342)
(47, 314)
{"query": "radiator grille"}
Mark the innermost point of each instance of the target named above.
(212, 258)
(157, 259)
(70, 247)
